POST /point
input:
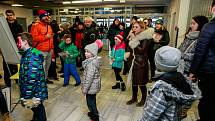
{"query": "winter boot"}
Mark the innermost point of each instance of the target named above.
(133, 100)
(116, 86)
(122, 86)
(141, 103)
(144, 94)
(6, 117)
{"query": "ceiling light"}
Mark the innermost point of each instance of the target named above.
(110, 0)
(122, 1)
(16, 5)
(87, 1)
(66, 2)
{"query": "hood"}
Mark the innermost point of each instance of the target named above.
(135, 41)
(193, 35)
(97, 61)
(120, 46)
(179, 89)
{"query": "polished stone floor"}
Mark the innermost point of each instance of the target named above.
(68, 103)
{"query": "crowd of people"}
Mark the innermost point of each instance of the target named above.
(181, 75)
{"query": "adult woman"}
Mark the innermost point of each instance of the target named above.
(187, 48)
(139, 70)
(113, 31)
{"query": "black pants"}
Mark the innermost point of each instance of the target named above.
(135, 90)
(39, 113)
(126, 68)
(206, 104)
(117, 74)
(52, 70)
(91, 104)
(7, 75)
(152, 62)
(3, 104)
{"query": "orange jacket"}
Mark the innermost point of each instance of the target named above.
(39, 31)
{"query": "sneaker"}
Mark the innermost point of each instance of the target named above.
(77, 84)
(64, 85)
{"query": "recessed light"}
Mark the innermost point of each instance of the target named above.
(87, 1)
(16, 5)
(66, 2)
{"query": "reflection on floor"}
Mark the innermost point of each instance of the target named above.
(68, 103)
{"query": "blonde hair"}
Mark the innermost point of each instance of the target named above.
(88, 18)
(141, 24)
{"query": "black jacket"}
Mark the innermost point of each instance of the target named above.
(204, 57)
(15, 29)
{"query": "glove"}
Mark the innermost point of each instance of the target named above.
(30, 103)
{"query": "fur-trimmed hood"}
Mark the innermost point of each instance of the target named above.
(146, 34)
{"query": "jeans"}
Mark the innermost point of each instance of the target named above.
(91, 104)
(71, 69)
(39, 113)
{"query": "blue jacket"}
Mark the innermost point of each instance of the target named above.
(118, 53)
(204, 57)
(32, 81)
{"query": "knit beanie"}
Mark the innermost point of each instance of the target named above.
(42, 13)
(92, 48)
(201, 21)
(167, 59)
(159, 21)
(119, 37)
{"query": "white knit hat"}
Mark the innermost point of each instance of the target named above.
(93, 48)
(167, 58)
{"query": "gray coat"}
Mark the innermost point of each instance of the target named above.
(91, 82)
(187, 49)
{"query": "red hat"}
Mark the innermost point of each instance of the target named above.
(42, 13)
(119, 37)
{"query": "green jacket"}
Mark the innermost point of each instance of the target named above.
(72, 52)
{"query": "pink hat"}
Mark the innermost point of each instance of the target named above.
(119, 37)
(99, 43)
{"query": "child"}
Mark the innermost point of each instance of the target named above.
(69, 54)
(172, 92)
(32, 83)
(117, 56)
(91, 84)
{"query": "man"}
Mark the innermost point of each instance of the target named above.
(43, 39)
(90, 33)
(15, 29)
(203, 67)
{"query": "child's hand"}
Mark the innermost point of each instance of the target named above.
(113, 59)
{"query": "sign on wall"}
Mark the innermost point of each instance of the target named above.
(7, 43)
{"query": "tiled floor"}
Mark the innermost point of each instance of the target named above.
(68, 103)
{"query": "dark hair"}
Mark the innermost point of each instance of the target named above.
(122, 24)
(9, 11)
(26, 36)
(201, 21)
(67, 36)
(213, 3)
(134, 17)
